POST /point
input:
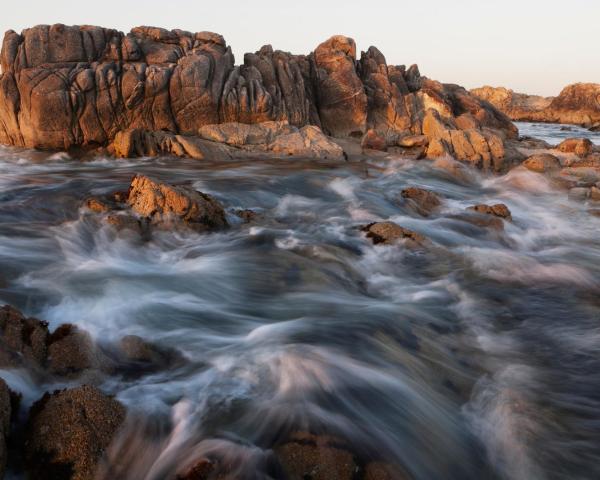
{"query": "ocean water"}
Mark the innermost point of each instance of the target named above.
(476, 358)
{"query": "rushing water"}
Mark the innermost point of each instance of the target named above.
(476, 358)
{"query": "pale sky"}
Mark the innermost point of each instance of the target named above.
(533, 46)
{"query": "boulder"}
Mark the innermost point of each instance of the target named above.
(316, 457)
(542, 162)
(581, 147)
(423, 201)
(161, 203)
(136, 350)
(23, 340)
(487, 216)
(388, 233)
(68, 432)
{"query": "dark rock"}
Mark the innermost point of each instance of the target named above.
(388, 233)
(423, 201)
(136, 349)
(384, 471)
(72, 351)
(23, 341)
(246, 215)
(5, 414)
(306, 456)
(68, 432)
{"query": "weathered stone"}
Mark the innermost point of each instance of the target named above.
(413, 141)
(68, 432)
(161, 203)
(341, 97)
(388, 233)
(542, 162)
(423, 201)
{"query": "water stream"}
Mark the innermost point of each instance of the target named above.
(476, 358)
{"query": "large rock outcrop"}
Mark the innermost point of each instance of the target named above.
(577, 104)
(155, 91)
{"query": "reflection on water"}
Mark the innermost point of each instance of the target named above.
(478, 358)
(556, 133)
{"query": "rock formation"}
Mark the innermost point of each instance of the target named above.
(154, 91)
(577, 104)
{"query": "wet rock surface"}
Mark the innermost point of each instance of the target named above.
(5, 415)
(68, 432)
(24, 341)
(388, 233)
(543, 162)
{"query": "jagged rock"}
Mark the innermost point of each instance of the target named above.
(154, 91)
(68, 432)
(423, 201)
(388, 233)
(161, 203)
(542, 162)
(341, 97)
(305, 455)
(492, 216)
(481, 148)
(23, 340)
(373, 141)
(579, 146)
(576, 104)
(5, 414)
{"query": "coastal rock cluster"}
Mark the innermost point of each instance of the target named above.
(155, 91)
(577, 104)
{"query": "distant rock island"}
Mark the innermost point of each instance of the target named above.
(577, 104)
(155, 91)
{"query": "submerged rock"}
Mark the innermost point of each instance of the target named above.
(72, 351)
(68, 432)
(305, 455)
(424, 201)
(388, 233)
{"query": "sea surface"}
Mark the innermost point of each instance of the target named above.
(477, 358)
